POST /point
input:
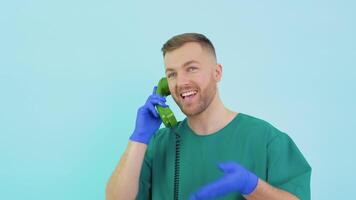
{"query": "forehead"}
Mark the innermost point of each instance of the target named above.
(187, 52)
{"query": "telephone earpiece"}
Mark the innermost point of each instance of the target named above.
(165, 113)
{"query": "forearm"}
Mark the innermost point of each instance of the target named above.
(123, 183)
(265, 191)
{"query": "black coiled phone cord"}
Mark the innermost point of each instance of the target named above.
(176, 167)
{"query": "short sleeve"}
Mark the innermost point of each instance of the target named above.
(287, 168)
(145, 180)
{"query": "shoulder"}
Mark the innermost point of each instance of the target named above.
(261, 132)
(260, 127)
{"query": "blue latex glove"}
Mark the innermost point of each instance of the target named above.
(147, 120)
(236, 179)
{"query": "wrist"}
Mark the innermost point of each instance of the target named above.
(140, 137)
(250, 184)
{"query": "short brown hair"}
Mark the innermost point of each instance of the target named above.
(179, 40)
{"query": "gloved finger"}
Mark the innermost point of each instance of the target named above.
(163, 105)
(156, 101)
(213, 190)
(152, 110)
(228, 167)
(154, 90)
(157, 96)
(193, 197)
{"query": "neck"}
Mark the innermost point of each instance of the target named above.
(213, 118)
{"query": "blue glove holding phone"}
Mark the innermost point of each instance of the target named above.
(236, 179)
(147, 119)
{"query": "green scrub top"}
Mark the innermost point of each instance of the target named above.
(251, 142)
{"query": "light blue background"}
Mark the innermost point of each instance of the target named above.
(73, 73)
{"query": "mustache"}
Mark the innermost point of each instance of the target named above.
(185, 87)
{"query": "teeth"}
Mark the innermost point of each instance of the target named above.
(184, 94)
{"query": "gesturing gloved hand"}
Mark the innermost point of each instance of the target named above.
(148, 120)
(236, 179)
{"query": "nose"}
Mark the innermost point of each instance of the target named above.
(182, 80)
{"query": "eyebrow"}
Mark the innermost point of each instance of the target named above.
(184, 65)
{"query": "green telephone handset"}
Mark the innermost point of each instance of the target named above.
(169, 121)
(165, 113)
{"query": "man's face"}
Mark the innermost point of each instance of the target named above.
(192, 74)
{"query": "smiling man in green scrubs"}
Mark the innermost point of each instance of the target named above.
(222, 153)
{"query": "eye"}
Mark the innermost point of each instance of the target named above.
(171, 75)
(192, 69)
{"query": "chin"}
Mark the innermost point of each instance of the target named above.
(190, 112)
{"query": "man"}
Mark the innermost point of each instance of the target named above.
(222, 154)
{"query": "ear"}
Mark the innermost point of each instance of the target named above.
(217, 72)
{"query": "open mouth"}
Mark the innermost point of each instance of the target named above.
(188, 95)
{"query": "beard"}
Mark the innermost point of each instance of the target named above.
(203, 98)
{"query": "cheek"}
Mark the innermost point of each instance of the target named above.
(205, 80)
(171, 87)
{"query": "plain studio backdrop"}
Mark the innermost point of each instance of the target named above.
(73, 74)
